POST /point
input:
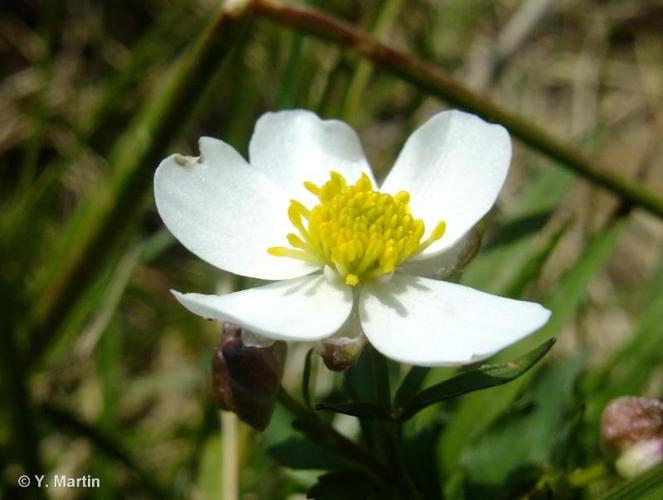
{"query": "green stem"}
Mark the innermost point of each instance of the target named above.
(325, 435)
(388, 432)
(429, 79)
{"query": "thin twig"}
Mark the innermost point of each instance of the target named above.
(433, 81)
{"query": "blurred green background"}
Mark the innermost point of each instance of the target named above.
(103, 373)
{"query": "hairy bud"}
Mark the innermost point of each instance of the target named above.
(632, 430)
(246, 379)
(629, 419)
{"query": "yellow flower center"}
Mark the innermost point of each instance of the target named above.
(355, 230)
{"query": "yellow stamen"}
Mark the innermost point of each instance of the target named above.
(312, 188)
(355, 230)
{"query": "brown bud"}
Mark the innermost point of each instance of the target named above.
(629, 420)
(246, 379)
(339, 353)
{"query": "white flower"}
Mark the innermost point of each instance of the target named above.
(306, 212)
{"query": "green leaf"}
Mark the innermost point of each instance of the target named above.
(360, 410)
(474, 380)
(648, 486)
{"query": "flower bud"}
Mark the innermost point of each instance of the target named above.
(339, 353)
(246, 379)
(629, 420)
(640, 457)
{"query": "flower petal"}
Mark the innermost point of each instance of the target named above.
(434, 323)
(225, 212)
(294, 146)
(454, 167)
(306, 308)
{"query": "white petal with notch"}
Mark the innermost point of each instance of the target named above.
(225, 212)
